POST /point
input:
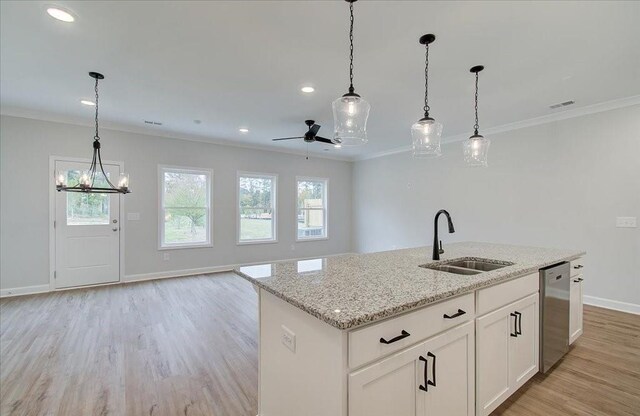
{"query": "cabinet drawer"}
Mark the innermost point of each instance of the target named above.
(577, 266)
(368, 343)
(495, 297)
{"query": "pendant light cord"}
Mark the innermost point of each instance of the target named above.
(97, 136)
(351, 89)
(476, 126)
(426, 81)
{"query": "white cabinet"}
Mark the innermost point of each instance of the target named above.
(575, 308)
(506, 351)
(434, 377)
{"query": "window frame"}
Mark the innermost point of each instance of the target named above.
(274, 205)
(325, 208)
(161, 208)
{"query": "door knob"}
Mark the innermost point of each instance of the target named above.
(115, 229)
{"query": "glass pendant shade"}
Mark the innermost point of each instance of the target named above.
(426, 134)
(476, 150)
(350, 114)
(123, 182)
(61, 179)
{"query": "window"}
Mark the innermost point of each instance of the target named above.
(312, 208)
(86, 208)
(256, 208)
(185, 207)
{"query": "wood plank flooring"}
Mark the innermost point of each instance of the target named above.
(188, 346)
(184, 346)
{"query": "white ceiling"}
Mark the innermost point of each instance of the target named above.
(242, 63)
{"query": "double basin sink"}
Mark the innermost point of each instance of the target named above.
(467, 265)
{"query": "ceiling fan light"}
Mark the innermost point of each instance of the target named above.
(426, 135)
(476, 150)
(350, 114)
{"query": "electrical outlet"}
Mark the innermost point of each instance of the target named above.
(293, 247)
(166, 257)
(626, 222)
(288, 338)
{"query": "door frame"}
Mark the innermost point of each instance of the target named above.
(52, 216)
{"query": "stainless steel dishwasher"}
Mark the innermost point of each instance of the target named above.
(554, 314)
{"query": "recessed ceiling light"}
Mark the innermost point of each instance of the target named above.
(243, 130)
(60, 14)
(307, 89)
(87, 102)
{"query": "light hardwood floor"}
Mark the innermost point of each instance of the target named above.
(188, 346)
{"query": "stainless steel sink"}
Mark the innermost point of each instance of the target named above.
(449, 269)
(467, 265)
(482, 265)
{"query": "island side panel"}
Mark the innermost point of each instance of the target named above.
(310, 381)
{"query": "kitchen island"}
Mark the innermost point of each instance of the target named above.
(360, 334)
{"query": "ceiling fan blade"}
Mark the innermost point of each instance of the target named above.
(313, 130)
(288, 138)
(323, 140)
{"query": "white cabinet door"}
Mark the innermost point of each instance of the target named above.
(493, 334)
(523, 348)
(506, 352)
(389, 387)
(575, 308)
(451, 373)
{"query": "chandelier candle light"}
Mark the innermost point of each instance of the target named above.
(476, 147)
(95, 174)
(426, 132)
(350, 112)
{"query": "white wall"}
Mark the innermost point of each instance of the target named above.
(560, 184)
(25, 180)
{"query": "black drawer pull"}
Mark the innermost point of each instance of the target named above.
(578, 280)
(403, 335)
(519, 320)
(455, 315)
(429, 382)
(515, 325)
(579, 266)
(426, 376)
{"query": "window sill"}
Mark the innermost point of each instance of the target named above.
(304, 240)
(253, 242)
(185, 246)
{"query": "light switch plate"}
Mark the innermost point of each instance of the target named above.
(288, 338)
(133, 216)
(626, 222)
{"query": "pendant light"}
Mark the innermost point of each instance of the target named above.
(476, 147)
(350, 112)
(95, 180)
(426, 132)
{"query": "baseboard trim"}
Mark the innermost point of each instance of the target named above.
(612, 304)
(176, 273)
(132, 278)
(26, 290)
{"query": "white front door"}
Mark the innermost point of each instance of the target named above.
(87, 232)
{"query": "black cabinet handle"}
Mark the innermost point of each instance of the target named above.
(403, 335)
(455, 315)
(429, 382)
(519, 320)
(578, 280)
(515, 325)
(579, 266)
(426, 376)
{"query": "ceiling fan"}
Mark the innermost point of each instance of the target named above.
(311, 135)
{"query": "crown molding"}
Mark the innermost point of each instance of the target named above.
(549, 118)
(79, 121)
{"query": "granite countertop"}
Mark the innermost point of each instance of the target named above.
(356, 289)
